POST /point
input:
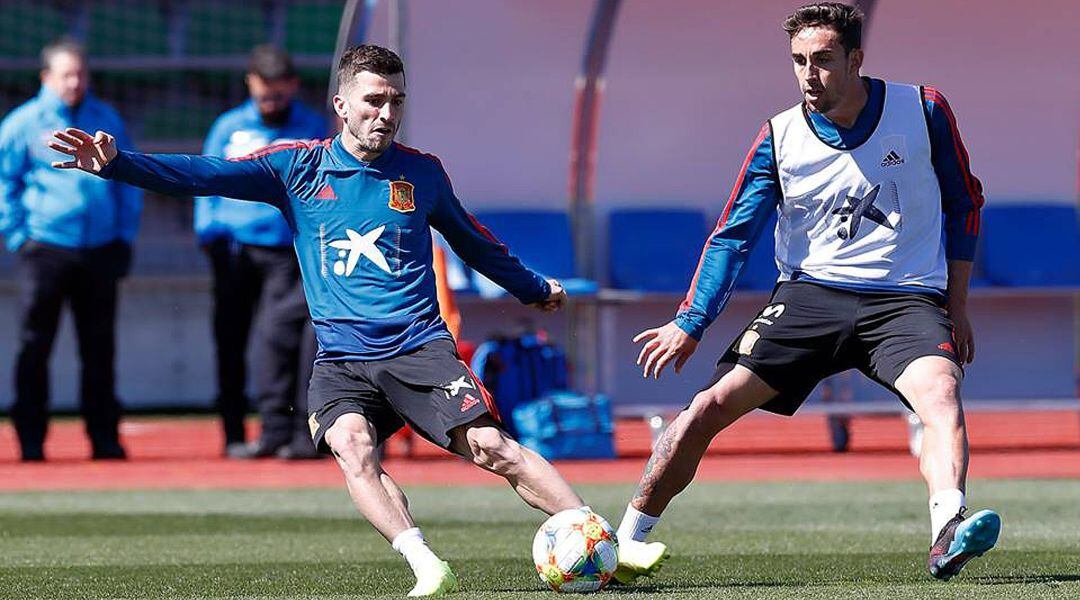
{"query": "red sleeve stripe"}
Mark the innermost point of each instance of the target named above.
(476, 224)
(974, 188)
(273, 148)
(484, 231)
(412, 150)
(762, 134)
(433, 157)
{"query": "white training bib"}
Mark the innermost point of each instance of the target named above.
(868, 215)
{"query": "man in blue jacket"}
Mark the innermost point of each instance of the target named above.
(72, 235)
(360, 208)
(255, 271)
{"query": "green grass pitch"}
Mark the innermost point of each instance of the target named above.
(732, 540)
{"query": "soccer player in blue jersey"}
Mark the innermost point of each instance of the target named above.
(360, 207)
(878, 217)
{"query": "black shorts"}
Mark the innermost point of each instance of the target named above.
(809, 331)
(430, 388)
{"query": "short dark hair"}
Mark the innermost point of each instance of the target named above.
(63, 45)
(845, 19)
(368, 57)
(271, 63)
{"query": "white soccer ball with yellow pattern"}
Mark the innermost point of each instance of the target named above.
(575, 551)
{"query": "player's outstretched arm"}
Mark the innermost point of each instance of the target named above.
(258, 177)
(555, 300)
(88, 153)
(662, 345)
(487, 255)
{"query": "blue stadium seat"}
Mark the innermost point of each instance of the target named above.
(978, 273)
(760, 272)
(654, 250)
(542, 239)
(1031, 245)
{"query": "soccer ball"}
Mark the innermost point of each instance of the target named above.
(575, 551)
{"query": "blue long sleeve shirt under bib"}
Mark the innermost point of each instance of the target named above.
(757, 194)
(361, 232)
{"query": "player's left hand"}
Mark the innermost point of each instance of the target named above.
(88, 153)
(963, 335)
(555, 300)
(662, 344)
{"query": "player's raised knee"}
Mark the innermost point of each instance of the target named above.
(711, 403)
(940, 389)
(492, 449)
(710, 398)
(351, 439)
(938, 400)
(945, 386)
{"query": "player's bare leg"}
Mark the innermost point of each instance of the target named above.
(352, 438)
(534, 479)
(679, 450)
(931, 385)
(376, 496)
(675, 460)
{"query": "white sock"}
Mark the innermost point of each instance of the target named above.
(943, 506)
(410, 543)
(636, 525)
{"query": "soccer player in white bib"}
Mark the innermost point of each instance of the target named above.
(878, 215)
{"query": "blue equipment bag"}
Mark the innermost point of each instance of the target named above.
(519, 369)
(563, 425)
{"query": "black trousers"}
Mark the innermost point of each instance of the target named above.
(258, 294)
(49, 276)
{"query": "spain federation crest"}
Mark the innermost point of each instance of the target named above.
(401, 196)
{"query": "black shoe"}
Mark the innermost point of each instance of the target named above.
(255, 450)
(235, 450)
(298, 451)
(109, 452)
(33, 455)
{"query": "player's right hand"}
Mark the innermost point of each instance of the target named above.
(662, 345)
(89, 154)
(556, 298)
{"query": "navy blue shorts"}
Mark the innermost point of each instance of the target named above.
(808, 332)
(431, 389)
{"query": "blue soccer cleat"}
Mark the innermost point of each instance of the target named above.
(962, 540)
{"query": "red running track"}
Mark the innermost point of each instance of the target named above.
(185, 453)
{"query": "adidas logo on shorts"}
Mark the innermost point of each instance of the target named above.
(892, 159)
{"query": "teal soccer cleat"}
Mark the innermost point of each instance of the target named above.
(962, 540)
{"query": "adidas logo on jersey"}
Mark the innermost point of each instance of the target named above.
(468, 403)
(892, 159)
(326, 193)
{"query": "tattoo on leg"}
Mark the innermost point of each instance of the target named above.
(661, 454)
